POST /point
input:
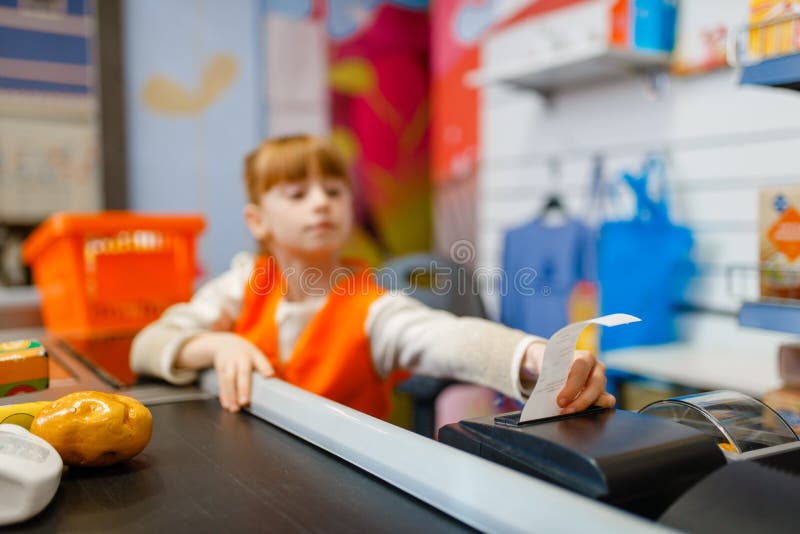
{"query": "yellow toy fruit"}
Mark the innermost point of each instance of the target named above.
(21, 414)
(94, 429)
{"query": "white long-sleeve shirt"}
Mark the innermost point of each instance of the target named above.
(403, 334)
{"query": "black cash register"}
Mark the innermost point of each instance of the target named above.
(645, 462)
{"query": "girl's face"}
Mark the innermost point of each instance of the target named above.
(308, 218)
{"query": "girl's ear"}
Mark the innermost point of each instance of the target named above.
(256, 222)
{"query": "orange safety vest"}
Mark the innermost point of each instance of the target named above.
(332, 355)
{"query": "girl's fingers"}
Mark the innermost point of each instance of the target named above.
(594, 389)
(262, 365)
(606, 400)
(579, 374)
(226, 377)
(243, 376)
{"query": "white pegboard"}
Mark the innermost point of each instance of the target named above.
(724, 141)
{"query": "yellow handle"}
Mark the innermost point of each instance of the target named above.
(21, 414)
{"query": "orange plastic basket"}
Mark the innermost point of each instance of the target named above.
(112, 272)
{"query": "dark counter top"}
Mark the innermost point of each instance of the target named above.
(208, 470)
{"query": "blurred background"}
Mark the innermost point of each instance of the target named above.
(639, 156)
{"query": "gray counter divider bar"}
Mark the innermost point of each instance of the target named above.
(477, 492)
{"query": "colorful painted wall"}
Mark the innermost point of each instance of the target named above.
(380, 106)
(207, 79)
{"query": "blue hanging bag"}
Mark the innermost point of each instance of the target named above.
(644, 266)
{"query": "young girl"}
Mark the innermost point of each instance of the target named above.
(300, 312)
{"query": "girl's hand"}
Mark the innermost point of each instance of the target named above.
(586, 382)
(234, 359)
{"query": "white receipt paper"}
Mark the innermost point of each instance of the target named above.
(557, 362)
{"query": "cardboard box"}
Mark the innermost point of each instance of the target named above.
(23, 367)
(771, 40)
(779, 243)
(643, 24)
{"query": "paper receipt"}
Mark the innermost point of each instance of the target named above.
(558, 355)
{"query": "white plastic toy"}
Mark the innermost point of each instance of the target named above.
(30, 471)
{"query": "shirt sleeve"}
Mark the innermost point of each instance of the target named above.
(155, 348)
(406, 334)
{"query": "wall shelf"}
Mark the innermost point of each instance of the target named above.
(771, 315)
(573, 70)
(768, 51)
(777, 72)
